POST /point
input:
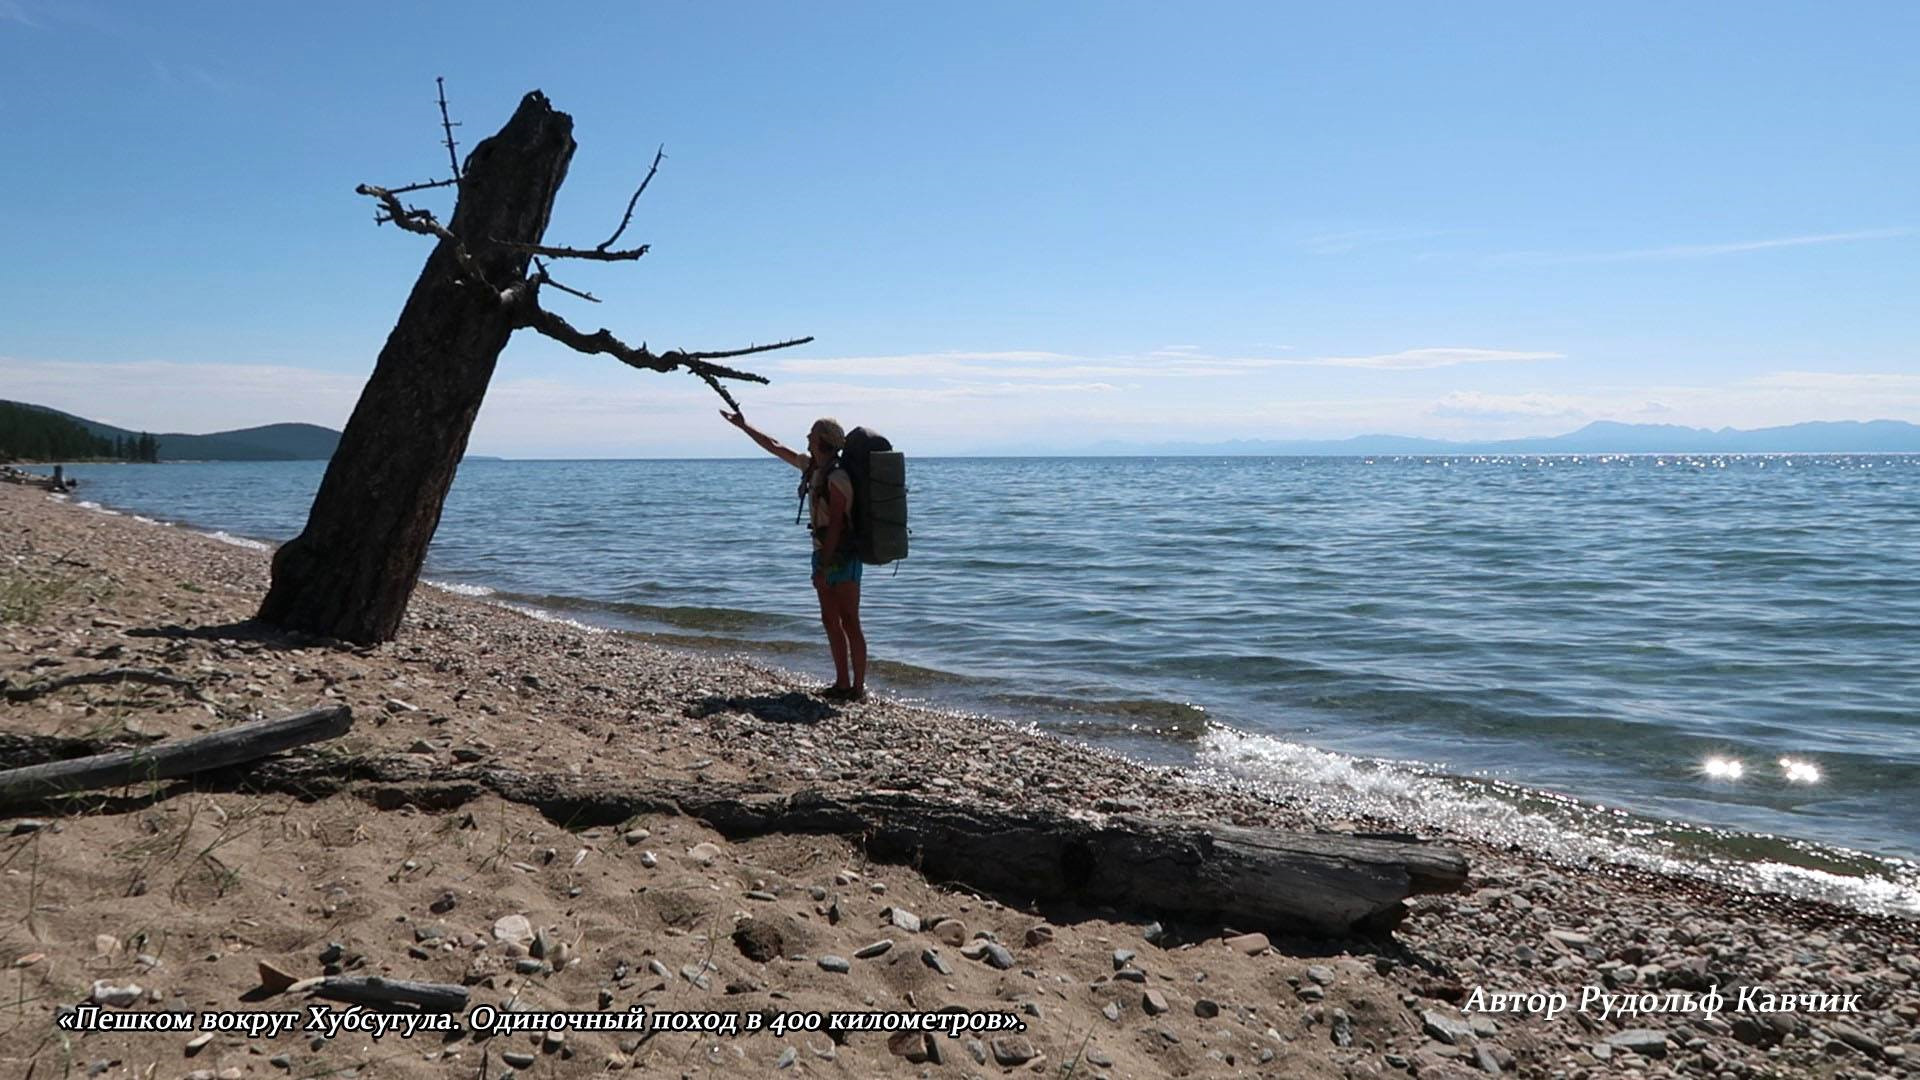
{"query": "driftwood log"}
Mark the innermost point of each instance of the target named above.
(1311, 883)
(1318, 883)
(174, 757)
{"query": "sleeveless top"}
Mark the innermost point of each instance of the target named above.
(821, 507)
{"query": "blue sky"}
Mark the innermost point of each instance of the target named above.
(1009, 226)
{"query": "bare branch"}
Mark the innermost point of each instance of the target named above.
(577, 253)
(658, 156)
(447, 126)
(541, 277)
(424, 223)
(698, 363)
(424, 185)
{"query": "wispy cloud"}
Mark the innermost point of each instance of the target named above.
(1418, 359)
(1702, 251)
(151, 395)
(1170, 361)
(14, 12)
(1473, 405)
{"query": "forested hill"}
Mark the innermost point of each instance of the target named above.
(37, 433)
(28, 433)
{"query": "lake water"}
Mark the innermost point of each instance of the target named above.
(1700, 663)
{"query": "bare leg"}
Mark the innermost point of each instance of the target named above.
(847, 603)
(836, 636)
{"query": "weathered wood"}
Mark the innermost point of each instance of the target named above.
(1313, 883)
(350, 573)
(94, 678)
(174, 757)
(375, 990)
(1319, 883)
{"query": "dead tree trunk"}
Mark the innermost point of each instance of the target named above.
(350, 573)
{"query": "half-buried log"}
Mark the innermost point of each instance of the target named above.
(1254, 879)
(174, 757)
(1316, 883)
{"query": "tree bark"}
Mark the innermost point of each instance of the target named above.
(350, 573)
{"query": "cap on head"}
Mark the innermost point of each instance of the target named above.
(830, 432)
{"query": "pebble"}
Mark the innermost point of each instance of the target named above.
(933, 959)
(273, 979)
(634, 836)
(1111, 1010)
(1206, 1008)
(519, 1059)
(1643, 1041)
(868, 952)
(513, 929)
(1447, 1029)
(703, 853)
(1122, 957)
(119, 997)
(649, 860)
(1251, 944)
(1013, 1051)
(952, 932)
(1321, 974)
(998, 956)
(1154, 1002)
(902, 918)
(787, 1058)
(836, 964)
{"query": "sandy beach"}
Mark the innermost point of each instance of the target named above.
(184, 893)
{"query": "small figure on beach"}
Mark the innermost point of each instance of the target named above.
(828, 491)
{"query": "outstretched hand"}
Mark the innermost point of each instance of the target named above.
(735, 418)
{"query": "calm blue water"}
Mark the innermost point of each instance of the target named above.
(1546, 650)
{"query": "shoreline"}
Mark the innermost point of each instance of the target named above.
(1392, 793)
(459, 675)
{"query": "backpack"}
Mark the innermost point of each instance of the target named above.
(879, 475)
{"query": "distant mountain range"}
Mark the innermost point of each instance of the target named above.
(1599, 437)
(272, 442)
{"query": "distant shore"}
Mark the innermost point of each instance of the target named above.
(468, 682)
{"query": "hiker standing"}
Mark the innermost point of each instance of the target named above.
(828, 491)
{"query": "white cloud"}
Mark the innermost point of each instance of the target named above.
(1469, 404)
(1703, 251)
(1894, 385)
(153, 395)
(1417, 359)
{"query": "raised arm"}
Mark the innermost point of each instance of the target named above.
(767, 442)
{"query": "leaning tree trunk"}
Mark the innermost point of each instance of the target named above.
(350, 573)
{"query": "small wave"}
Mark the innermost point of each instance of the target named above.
(684, 617)
(548, 616)
(88, 504)
(238, 541)
(1118, 716)
(145, 520)
(460, 588)
(1338, 786)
